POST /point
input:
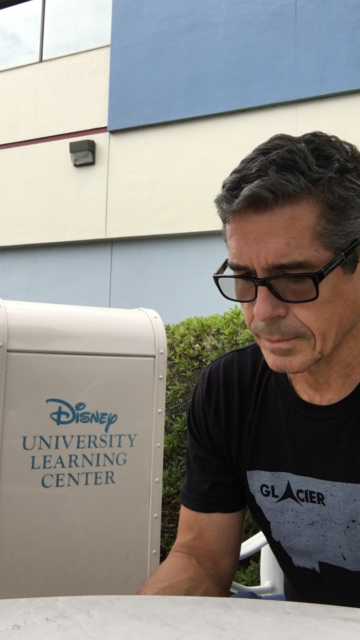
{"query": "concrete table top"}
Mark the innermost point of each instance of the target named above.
(173, 618)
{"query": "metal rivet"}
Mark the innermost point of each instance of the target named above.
(158, 445)
(154, 552)
(161, 377)
(0, 344)
(157, 480)
(162, 351)
(159, 411)
(156, 515)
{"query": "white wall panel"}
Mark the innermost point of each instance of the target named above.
(338, 115)
(63, 95)
(44, 198)
(163, 179)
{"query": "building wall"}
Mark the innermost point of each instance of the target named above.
(59, 96)
(163, 179)
(181, 96)
(173, 60)
(56, 202)
(151, 181)
(172, 275)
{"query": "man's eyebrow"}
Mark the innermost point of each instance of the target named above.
(286, 266)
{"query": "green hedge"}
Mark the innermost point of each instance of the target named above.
(192, 345)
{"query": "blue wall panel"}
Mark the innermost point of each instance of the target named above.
(70, 274)
(172, 60)
(170, 275)
(328, 47)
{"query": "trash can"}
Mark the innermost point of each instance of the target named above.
(81, 447)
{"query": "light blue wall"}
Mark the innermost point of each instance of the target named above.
(170, 275)
(327, 47)
(172, 60)
(66, 274)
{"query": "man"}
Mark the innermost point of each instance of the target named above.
(275, 426)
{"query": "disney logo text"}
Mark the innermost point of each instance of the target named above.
(66, 414)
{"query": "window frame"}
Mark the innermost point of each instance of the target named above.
(5, 4)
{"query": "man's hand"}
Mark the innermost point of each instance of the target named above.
(204, 557)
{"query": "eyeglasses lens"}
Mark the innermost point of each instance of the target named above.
(294, 289)
(235, 289)
(290, 288)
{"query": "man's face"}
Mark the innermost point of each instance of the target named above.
(293, 337)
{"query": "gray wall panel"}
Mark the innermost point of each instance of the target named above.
(171, 275)
(69, 274)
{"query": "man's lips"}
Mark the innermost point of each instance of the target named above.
(276, 341)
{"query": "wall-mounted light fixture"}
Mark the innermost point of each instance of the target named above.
(82, 152)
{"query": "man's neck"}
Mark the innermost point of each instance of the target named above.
(331, 379)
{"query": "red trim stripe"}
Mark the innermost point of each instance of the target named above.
(63, 136)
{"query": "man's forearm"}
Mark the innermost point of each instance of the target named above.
(183, 575)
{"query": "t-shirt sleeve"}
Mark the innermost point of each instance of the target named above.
(211, 483)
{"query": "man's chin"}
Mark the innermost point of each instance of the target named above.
(285, 362)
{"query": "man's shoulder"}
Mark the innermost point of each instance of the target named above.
(248, 356)
(230, 384)
(242, 364)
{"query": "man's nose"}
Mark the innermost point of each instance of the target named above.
(267, 307)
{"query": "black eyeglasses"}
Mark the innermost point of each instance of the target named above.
(294, 288)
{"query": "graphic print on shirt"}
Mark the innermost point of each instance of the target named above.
(314, 520)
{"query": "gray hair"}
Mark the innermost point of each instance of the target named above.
(286, 169)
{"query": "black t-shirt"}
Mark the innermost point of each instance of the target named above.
(252, 441)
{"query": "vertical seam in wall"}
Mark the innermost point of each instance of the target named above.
(107, 186)
(296, 68)
(111, 266)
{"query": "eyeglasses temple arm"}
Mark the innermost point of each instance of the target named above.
(341, 258)
(351, 248)
(221, 269)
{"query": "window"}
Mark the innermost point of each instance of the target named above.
(75, 25)
(20, 33)
(35, 30)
